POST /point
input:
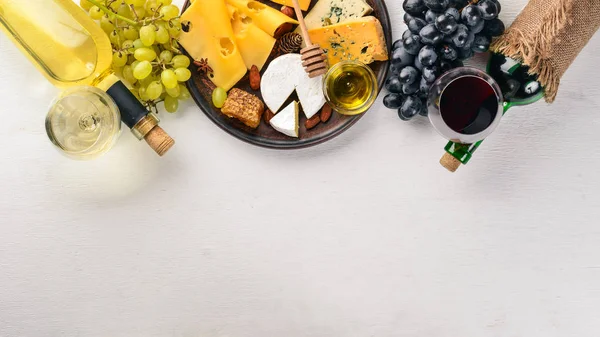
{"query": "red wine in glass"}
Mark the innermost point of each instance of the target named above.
(468, 105)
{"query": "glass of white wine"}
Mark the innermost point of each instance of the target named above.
(83, 122)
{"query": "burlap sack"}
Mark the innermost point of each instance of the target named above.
(548, 35)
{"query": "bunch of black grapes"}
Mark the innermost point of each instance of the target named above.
(441, 34)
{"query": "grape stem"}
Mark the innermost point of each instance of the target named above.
(132, 7)
(111, 13)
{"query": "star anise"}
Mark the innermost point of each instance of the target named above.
(203, 66)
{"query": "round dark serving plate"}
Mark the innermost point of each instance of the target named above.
(201, 89)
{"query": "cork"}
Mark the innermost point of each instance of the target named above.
(159, 140)
(145, 125)
(449, 162)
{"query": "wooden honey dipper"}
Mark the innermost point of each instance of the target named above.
(312, 56)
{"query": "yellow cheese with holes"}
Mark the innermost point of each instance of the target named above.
(210, 37)
(255, 45)
(304, 4)
(360, 39)
(265, 17)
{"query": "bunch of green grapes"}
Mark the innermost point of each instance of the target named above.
(146, 55)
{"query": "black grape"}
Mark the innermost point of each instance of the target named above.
(400, 58)
(393, 101)
(408, 75)
(393, 84)
(494, 27)
(415, 25)
(414, 7)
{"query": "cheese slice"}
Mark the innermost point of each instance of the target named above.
(211, 37)
(286, 121)
(265, 17)
(330, 12)
(361, 40)
(304, 4)
(283, 76)
(255, 45)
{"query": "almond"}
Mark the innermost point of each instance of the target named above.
(268, 115)
(325, 113)
(254, 78)
(289, 11)
(284, 28)
(311, 123)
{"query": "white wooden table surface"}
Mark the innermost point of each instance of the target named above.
(365, 235)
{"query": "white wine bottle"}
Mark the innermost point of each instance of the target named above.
(70, 49)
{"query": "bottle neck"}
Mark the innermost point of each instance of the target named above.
(105, 80)
(143, 124)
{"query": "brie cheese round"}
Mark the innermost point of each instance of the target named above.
(286, 74)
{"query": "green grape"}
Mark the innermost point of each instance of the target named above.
(171, 104)
(134, 63)
(137, 43)
(146, 81)
(135, 3)
(161, 23)
(119, 59)
(181, 61)
(151, 6)
(125, 11)
(131, 59)
(169, 79)
(185, 93)
(106, 25)
(96, 13)
(118, 72)
(175, 27)
(115, 5)
(162, 35)
(169, 12)
(174, 92)
(166, 56)
(128, 74)
(156, 49)
(183, 74)
(142, 94)
(139, 12)
(86, 5)
(121, 35)
(142, 70)
(130, 33)
(154, 90)
(148, 35)
(114, 38)
(165, 2)
(145, 54)
(219, 95)
(127, 46)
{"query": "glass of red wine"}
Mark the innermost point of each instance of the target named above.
(465, 105)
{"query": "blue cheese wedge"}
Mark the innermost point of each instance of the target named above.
(331, 12)
(286, 121)
(360, 39)
(283, 76)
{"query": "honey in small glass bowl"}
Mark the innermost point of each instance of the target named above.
(350, 87)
